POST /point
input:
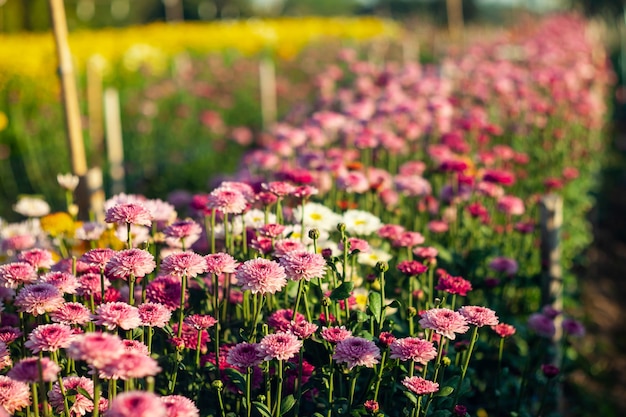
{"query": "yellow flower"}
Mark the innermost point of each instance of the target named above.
(4, 121)
(57, 224)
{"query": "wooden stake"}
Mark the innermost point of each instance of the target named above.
(94, 107)
(454, 9)
(115, 146)
(551, 218)
(267, 82)
(70, 102)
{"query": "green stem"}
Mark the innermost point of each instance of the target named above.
(181, 315)
(248, 390)
(96, 392)
(131, 289)
(466, 363)
(379, 376)
(298, 298)
(35, 399)
(279, 387)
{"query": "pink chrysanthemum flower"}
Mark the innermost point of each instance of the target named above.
(187, 263)
(280, 320)
(165, 289)
(412, 268)
(280, 346)
(129, 213)
(357, 351)
(38, 258)
(16, 273)
(511, 205)
(91, 284)
(354, 244)
(136, 262)
(220, 263)
(479, 316)
(227, 200)
(130, 364)
(453, 285)
(419, 385)
(98, 257)
(390, 231)
(182, 231)
(303, 329)
(27, 370)
(96, 348)
(66, 283)
(413, 348)
(18, 242)
(245, 355)
(179, 406)
(9, 334)
(136, 404)
(135, 346)
(154, 314)
(335, 334)
(117, 314)
(302, 264)
(71, 314)
(279, 188)
(81, 404)
(50, 338)
(14, 395)
(408, 240)
(503, 329)
(272, 230)
(189, 337)
(67, 265)
(444, 321)
(261, 276)
(425, 252)
(200, 321)
(38, 299)
(371, 406)
(285, 246)
(5, 356)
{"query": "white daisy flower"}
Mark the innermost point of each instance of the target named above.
(373, 256)
(361, 222)
(255, 218)
(31, 206)
(317, 216)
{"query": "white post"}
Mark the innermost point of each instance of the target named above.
(115, 146)
(267, 85)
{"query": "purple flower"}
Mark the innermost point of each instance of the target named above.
(356, 351)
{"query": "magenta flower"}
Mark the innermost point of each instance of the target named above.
(81, 404)
(303, 265)
(414, 349)
(179, 406)
(420, 386)
(542, 325)
(245, 355)
(90, 283)
(444, 321)
(261, 276)
(573, 327)
(279, 188)
(408, 239)
(280, 346)
(303, 329)
(511, 205)
(27, 370)
(335, 334)
(221, 263)
(50, 338)
(135, 262)
(504, 265)
(454, 285)
(284, 246)
(356, 351)
(187, 231)
(503, 330)
(96, 348)
(189, 337)
(98, 257)
(9, 334)
(129, 213)
(154, 314)
(412, 268)
(165, 290)
(16, 273)
(390, 231)
(187, 263)
(137, 404)
(479, 316)
(117, 314)
(280, 320)
(38, 299)
(38, 258)
(14, 395)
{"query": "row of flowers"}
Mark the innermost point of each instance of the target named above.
(375, 257)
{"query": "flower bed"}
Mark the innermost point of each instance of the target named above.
(377, 256)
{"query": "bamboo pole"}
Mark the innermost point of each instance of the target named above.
(115, 146)
(70, 102)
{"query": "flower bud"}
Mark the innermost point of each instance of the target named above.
(314, 234)
(218, 385)
(382, 266)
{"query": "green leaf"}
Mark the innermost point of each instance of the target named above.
(444, 392)
(342, 292)
(287, 404)
(82, 391)
(411, 396)
(375, 305)
(262, 408)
